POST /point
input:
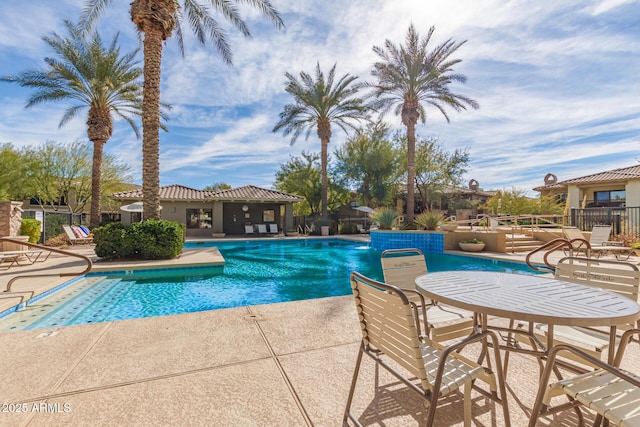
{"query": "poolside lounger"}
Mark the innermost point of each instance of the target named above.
(248, 229)
(273, 228)
(8, 258)
(262, 229)
(598, 244)
(76, 235)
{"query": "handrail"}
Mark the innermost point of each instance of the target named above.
(554, 245)
(50, 249)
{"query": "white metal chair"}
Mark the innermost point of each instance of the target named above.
(391, 332)
(616, 276)
(613, 393)
(400, 268)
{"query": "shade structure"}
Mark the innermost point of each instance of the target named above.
(366, 209)
(133, 207)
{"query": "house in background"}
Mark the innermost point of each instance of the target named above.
(611, 197)
(208, 213)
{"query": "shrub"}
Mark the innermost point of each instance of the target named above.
(151, 239)
(429, 220)
(386, 218)
(348, 228)
(475, 241)
(31, 227)
(61, 240)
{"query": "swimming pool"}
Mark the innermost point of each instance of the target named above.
(256, 272)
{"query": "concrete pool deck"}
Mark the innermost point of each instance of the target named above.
(286, 364)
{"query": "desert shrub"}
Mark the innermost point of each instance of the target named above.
(348, 228)
(59, 241)
(152, 239)
(31, 227)
(387, 218)
(429, 220)
(109, 240)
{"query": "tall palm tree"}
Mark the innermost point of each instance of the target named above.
(96, 77)
(318, 104)
(411, 75)
(157, 19)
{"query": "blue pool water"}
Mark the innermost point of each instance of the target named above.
(256, 272)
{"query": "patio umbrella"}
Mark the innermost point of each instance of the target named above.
(365, 209)
(133, 207)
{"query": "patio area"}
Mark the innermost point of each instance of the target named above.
(286, 364)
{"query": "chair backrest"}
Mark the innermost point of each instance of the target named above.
(617, 276)
(387, 323)
(599, 235)
(273, 228)
(70, 234)
(248, 229)
(400, 267)
(262, 228)
(573, 233)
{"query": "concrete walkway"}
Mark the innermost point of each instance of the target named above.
(286, 364)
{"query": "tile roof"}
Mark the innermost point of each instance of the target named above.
(169, 192)
(621, 174)
(252, 193)
(179, 192)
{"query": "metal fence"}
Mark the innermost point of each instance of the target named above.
(52, 222)
(622, 220)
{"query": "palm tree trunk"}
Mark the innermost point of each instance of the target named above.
(323, 177)
(99, 130)
(409, 119)
(95, 214)
(153, 34)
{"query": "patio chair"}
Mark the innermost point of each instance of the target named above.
(262, 228)
(391, 332)
(400, 268)
(613, 393)
(248, 229)
(617, 276)
(273, 228)
(599, 243)
(76, 235)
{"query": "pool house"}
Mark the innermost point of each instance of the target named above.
(217, 213)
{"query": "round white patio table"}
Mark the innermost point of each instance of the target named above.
(531, 298)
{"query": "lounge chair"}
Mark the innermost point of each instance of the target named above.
(391, 333)
(262, 229)
(248, 229)
(76, 235)
(598, 244)
(400, 268)
(273, 228)
(7, 258)
(611, 392)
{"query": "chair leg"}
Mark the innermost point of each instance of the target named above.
(467, 404)
(354, 380)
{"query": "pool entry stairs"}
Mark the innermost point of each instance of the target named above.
(521, 243)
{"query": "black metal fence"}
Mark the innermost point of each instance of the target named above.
(622, 220)
(52, 222)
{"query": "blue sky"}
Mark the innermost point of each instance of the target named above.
(557, 83)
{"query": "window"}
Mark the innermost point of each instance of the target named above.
(199, 218)
(613, 197)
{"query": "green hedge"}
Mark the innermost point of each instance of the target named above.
(31, 227)
(151, 239)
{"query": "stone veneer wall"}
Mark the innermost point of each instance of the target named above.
(10, 218)
(426, 241)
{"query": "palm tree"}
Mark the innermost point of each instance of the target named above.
(317, 105)
(96, 77)
(157, 19)
(411, 75)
